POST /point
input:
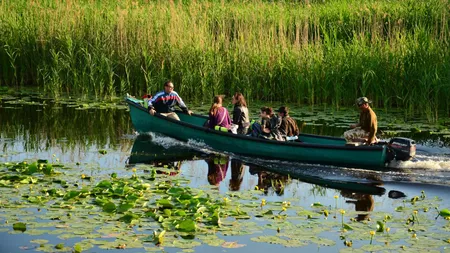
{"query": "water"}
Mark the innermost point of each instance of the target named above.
(73, 134)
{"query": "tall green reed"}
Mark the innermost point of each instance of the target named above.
(308, 52)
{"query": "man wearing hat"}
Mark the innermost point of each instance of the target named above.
(366, 129)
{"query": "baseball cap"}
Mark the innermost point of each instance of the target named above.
(362, 100)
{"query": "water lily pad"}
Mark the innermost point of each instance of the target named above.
(232, 245)
(39, 241)
(20, 226)
(129, 217)
(109, 207)
(277, 240)
(187, 226)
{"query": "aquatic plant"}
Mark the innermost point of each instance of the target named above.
(313, 52)
(149, 210)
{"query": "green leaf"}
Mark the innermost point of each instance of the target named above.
(124, 207)
(71, 195)
(180, 213)
(444, 213)
(168, 212)
(20, 226)
(32, 168)
(77, 248)
(59, 246)
(102, 151)
(39, 241)
(176, 191)
(104, 184)
(129, 217)
(100, 201)
(348, 227)
(109, 207)
(186, 226)
(48, 169)
(381, 226)
(165, 203)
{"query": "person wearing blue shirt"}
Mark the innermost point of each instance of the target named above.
(164, 102)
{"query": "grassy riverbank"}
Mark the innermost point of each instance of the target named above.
(397, 53)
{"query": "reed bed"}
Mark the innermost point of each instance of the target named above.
(306, 52)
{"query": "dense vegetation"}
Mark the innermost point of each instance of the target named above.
(313, 52)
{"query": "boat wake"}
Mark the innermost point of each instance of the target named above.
(424, 162)
(169, 142)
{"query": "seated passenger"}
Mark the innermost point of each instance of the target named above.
(218, 115)
(366, 129)
(240, 113)
(269, 127)
(288, 127)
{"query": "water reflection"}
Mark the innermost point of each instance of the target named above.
(73, 133)
(217, 169)
(268, 179)
(364, 203)
(237, 174)
(40, 127)
(145, 151)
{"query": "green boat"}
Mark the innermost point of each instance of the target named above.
(310, 148)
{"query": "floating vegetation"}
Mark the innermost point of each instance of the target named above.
(151, 210)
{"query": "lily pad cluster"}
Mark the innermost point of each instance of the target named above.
(151, 210)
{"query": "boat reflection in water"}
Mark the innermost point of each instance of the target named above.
(147, 151)
(219, 170)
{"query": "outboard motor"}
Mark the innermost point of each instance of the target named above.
(403, 148)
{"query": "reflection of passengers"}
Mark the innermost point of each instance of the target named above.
(237, 174)
(217, 169)
(363, 203)
(268, 179)
(175, 167)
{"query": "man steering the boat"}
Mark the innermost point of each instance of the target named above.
(164, 102)
(365, 130)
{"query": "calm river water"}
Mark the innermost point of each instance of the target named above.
(73, 133)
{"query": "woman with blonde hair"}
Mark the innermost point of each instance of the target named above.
(218, 115)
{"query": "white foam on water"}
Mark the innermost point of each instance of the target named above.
(168, 142)
(164, 141)
(437, 163)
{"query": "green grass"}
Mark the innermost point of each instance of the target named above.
(306, 52)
